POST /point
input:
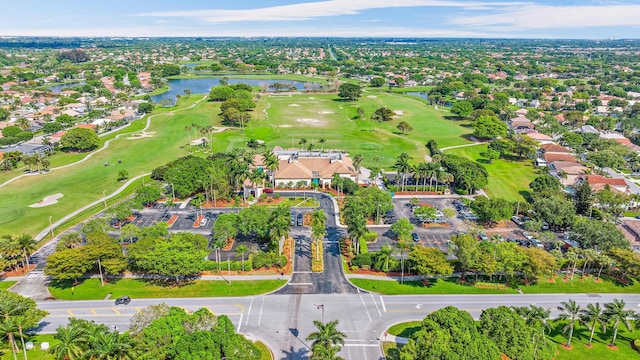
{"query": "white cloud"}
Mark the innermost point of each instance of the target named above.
(550, 17)
(319, 9)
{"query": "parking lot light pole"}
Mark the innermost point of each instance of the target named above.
(320, 307)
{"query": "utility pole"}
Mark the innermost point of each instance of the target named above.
(100, 269)
(320, 307)
(51, 227)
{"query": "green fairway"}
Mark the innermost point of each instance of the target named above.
(90, 289)
(507, 179)
(83, 183)
(5, 284)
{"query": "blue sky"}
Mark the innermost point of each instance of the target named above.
(371, 18)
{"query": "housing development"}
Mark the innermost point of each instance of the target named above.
(321, 198)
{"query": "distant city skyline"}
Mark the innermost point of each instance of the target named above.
(595, 19)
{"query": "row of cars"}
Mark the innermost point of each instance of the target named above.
(297, 219)
(464, 211)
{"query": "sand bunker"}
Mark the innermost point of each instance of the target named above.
(398, 112)
(312, 122)
(326, 112)
(141, 135)
(372, 97)
(311, 98)
(285, 126)
(294, 105)
(49, 200)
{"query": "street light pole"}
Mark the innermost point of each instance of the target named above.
(320, 307)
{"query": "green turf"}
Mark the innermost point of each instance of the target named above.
(405, 329)
(5, 284)
(90, 289)
(265, 353)
(451, 286)
(36, 353)
(507, 179)
(440, 286)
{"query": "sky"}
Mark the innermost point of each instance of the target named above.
(590, 19)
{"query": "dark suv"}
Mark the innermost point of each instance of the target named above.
(123, 300)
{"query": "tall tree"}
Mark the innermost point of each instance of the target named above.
(616, 314)
(570, 312)
(326, 334)
(593, 316)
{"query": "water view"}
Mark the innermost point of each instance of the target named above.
(203, 85)
(58, 88)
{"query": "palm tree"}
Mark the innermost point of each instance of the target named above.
(280, 225)
(534, 316)
(588, 255)
(188, 129)
(327, 335)
(571, 313)
(592, 316)
(318, 219)
(422, 171)
(357, 160)
(433, 169)
(241, 250)
(302, 142)
(72, 340)
(217, 245)
(28, 246)
(572, 258)
(385, 253)
(272, 164)
(9, 328)
(110, 346)
(616, 313)
(325, 353)
(321, 142)
(402, 246)
(445, 177)
(602, 260)
(402, 166)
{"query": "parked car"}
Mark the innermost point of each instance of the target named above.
(293, 219)
(545, 225)
(300, 219)
(415, 237)
(203, 221)
(538, 243)
(390, 220)
(517, 220)
(527, 235)
(483, 236)
(267, 191)
(123, 300)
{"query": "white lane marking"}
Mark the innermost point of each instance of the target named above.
(374, 303)
(419, 306)
(239, 323)
(300, 284)
(249, 312)
(365, 308)
(362, 345)
(261, 308)
(384, 308)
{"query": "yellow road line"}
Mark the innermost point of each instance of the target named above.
(70, 312)
(93, 312)
(116, 311)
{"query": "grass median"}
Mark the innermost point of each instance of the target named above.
(4, 285)
(560, 285)
(90, 289)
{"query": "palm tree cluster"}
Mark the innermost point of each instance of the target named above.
(593, 315)
(15, 251)
(318, 219)
(423, 171)
(82, 339)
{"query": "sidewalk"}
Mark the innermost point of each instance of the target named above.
(383, 277)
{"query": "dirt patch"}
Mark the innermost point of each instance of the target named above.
(372, 97)
(49, 200)
(325, 112)
(398, 112)
(284, 126)
(312, 122)
(142, 135)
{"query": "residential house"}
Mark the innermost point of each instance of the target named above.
(567, 171)
(541, 138)
(598, 182)
(631, 231)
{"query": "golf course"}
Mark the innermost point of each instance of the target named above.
(277, 120)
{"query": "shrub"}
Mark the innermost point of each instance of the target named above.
(363, 246)
(370, 237)
(267, 259)
(361, 260)
(276, 196)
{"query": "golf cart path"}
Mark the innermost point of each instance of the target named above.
(464, 145)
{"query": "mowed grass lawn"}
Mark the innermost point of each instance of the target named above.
(579, 350)
(84, 183)
(36, 353)
(544, 286)
(90, 289)
(507, 179)
(313, 116)
(4, 285)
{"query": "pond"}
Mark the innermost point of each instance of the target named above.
(422, 94)
(58, 88)
(203, 86)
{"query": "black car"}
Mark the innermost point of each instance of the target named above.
(123, 300)
(390, 220)
(300, 219)
(415, 237)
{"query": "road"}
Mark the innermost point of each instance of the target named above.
(284, 321)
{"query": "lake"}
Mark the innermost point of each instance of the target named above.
(203, 86)
(422, 94)
(58, 88)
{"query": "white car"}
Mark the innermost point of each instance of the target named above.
(527, 235)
